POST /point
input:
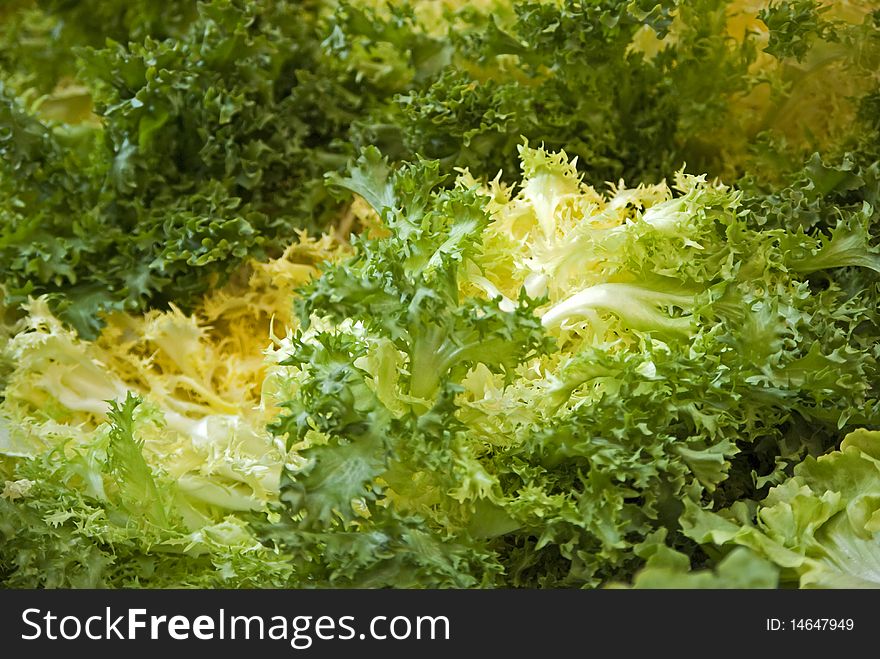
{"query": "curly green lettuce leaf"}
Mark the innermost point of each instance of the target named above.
(379, 449)
(92, 513)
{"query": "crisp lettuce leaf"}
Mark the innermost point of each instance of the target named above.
(821, 526)
(91, 512)
(666, 568)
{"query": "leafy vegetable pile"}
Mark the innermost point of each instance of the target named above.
(572, 293)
